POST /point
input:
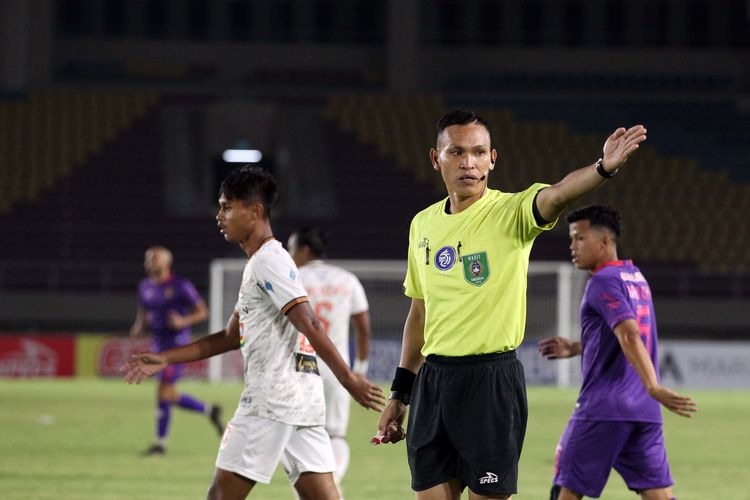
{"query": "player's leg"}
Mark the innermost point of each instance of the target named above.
(643, 463)
(316, 485)
(585, 456)
(249, 452)
(485, 412)
(227, 485)
(562, 493)
(338, 403)
(170, 394)
(657, 494)
(165, 396)
(309, 463)
(449, 490)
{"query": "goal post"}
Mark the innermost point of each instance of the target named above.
(554, 292)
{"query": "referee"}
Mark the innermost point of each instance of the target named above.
(467, 263)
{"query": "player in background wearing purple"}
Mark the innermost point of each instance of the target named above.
(169, 305)
(617, 419)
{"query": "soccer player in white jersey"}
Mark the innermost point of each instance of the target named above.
(281, 413)
(337, 297)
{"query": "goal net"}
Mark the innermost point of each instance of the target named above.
(553, 296)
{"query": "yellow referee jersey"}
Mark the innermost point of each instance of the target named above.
(470, 269)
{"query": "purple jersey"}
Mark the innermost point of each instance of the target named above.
(159, 299)
(612, 389)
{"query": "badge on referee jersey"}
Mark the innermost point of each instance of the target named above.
(476, 268)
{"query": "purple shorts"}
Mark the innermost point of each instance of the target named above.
(589, 449)
(171, 374)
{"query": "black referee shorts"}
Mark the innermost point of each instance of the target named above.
(467, 421)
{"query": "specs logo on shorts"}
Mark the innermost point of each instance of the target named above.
(292, 275)
(445, 258)
(488, 478)
(269, 286)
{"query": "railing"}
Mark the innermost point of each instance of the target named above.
(81, 276)
(104, 277)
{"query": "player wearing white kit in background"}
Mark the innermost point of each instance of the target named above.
(337, 297)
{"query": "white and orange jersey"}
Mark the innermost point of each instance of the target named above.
(335, 295)
(282, 380)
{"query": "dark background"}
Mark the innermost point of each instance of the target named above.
(114, 115)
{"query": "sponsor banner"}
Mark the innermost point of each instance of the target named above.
(115, 351)
(37, 356)
(538, 370)
(682, 364)
(704, 364)
(88, 346)
(385, 355)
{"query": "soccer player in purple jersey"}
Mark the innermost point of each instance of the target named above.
(617, 419)
(169, 305)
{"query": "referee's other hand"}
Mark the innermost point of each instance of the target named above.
(390, 426)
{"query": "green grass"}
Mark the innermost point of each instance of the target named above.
(80, 439)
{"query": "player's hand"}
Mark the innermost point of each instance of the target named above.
(557, 348)
(681, 405)
(366, 393)
(620, 145)
(176, 321)
(136, 332)
(390, 426)
(141, 366)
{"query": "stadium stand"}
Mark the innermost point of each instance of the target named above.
(99, 199)
(676, 195)
(49, 133)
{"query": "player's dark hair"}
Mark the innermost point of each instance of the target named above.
(460, 117)
(598, 215)
(313, 238)
(250, 184)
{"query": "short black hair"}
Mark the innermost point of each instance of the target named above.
(313, 238)
(249, 184)
(598, 215)
(460, 117)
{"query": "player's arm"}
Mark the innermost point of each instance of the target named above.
(559, 347)
(629, 337)
(142, 365)
(139, 325)
(364, 333)
(363, 391)
(390, 428)
(550, 202)
(197, 314)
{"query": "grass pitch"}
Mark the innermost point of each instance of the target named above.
(81, 438)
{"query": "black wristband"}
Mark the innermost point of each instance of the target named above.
(402, 385)
(600, 169)
(402, 397)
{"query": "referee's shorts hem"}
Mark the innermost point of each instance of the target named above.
(431, 484)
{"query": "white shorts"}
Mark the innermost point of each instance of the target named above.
(253, 446)
(338, 404)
